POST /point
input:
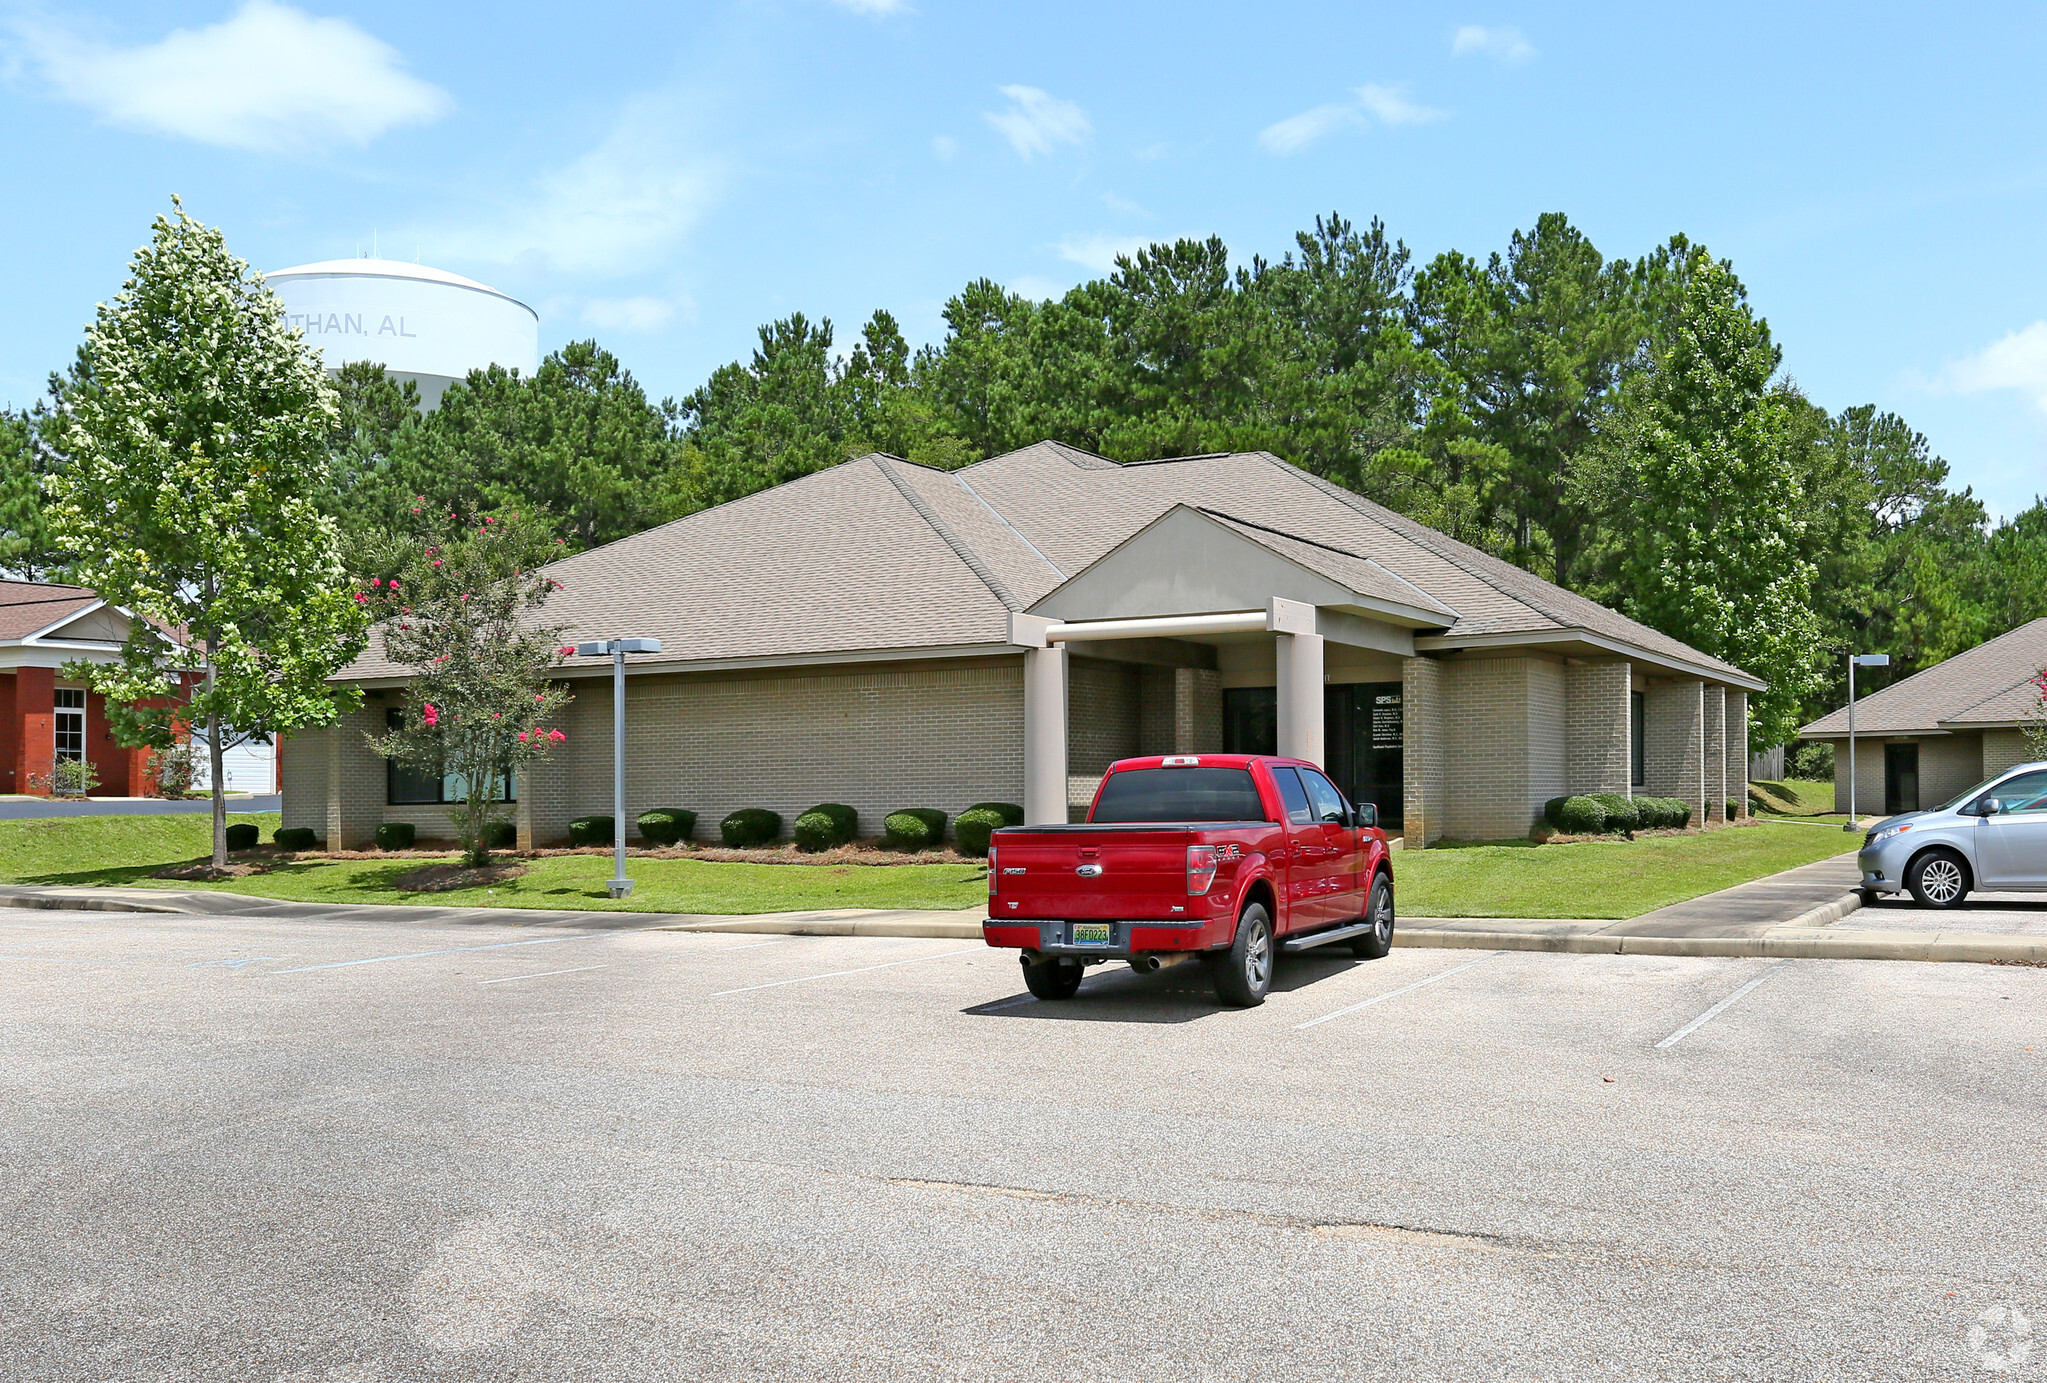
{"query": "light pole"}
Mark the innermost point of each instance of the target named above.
(1856, 660)
(620, 886)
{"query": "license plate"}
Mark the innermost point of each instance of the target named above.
(1090, 934)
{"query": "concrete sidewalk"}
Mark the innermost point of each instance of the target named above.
(1795, 914)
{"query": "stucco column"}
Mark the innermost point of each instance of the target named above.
(1674, 736)
(1045, 735)
(1300, 696)
(35, 718)
(1737, 750)
(1714, 702)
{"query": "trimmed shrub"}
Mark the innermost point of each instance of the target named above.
(1010, 812)
(243, 836)
(1733, 809)
(972, 828)
(750, 826)
(1581, 816)
(294, 837)
(592, 830)
(396, 835)
(1553, 811)
(503, 835)
(666, 825)
(1622, 814)
(1654, 813)
(913, 828)
(826, 825)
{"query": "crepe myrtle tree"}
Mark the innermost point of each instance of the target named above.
(192, 433)
(462, 606)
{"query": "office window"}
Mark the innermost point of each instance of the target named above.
(409, 786)
(1638, 766)
(70, 725)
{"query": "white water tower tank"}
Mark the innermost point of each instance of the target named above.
(421, 324)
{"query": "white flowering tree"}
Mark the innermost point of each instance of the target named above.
(193, 434)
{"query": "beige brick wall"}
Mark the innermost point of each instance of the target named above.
(1422, 770)
(1737, 750)
(1674, 738)
(1102, 714)
(1948, 766)
(302, 768)
(355, 780)
(1506, 718)
(2002, 749)
(1713, 720)
(1596, 728)
(1197, 711)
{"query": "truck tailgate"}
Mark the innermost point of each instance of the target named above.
(1102, 872)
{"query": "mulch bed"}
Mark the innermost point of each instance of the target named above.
(446, 878)
(202, 871)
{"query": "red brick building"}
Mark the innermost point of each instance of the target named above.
(45, 715)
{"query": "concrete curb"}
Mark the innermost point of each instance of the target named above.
(771, 925)
(72, 903)
(1783, 943)
(1827, 914)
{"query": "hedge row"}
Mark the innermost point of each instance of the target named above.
(1594, 813)
(824, 826)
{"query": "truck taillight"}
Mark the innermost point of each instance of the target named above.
(991, 870)
(1201, 864)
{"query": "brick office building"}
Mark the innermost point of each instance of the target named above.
(45, 716)
(887, 635)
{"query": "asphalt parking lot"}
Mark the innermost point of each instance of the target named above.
(261, 1150)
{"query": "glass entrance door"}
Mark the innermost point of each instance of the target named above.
(1363, 729)
(1901, 778)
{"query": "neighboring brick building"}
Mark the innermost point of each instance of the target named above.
(887, 635)
(44, 715)
(1942, 730)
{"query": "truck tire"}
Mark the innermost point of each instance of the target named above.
(1938, 879)
(1243, 974)
(1053, 979)
(1373, 945)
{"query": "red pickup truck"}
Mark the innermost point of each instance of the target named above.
(1228, 858)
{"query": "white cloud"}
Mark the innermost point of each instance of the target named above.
(1036, 288)
(619, 207)
(874, 9)
(1297, 132)
(1099, 252)
(271, 78)
(628, 314)
(945, 146)
(1036, 122)
(1392, 107)
(1388, 105)
(2017, 362)
(1504, 45)
(1123, 204)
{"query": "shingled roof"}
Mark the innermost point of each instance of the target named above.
(27, 607)
(1991, 684)
(882, 556)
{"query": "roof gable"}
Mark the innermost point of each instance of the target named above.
(1984, 685)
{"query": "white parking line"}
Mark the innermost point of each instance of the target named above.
(542, 974)
(452, 950)
(1396, 993)
(834, 974)
(1714, 1012)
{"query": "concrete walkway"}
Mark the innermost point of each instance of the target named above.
(25, 808)
(1795, 914)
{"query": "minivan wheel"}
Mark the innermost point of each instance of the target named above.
(1938, 879)
(1243, 974)
(1053, 979)
(1373, 945)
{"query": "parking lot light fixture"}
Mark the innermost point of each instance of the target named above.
(1856, 660)
(619, 886)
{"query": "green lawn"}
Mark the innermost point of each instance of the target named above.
(127, 849)
(1617, 878)
(1797, 796)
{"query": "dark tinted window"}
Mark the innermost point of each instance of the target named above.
(1638, 752)
(1179, 794)
(1293, 796)
(1327, 801)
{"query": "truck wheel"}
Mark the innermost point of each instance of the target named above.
(1243, 974)
(1379, 912)
(1053, 979)
(1938, 879)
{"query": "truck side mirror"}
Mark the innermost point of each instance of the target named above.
(1365, 814)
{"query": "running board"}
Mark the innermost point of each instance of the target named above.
(1294, 945)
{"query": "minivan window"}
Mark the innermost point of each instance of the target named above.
(2024, 787)
(1293, 797)
(1178, 795)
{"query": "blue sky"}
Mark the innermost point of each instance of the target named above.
(668, 177)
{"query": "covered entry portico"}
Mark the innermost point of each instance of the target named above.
(1202, 584)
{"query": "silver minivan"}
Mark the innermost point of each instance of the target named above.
(1994, 837)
